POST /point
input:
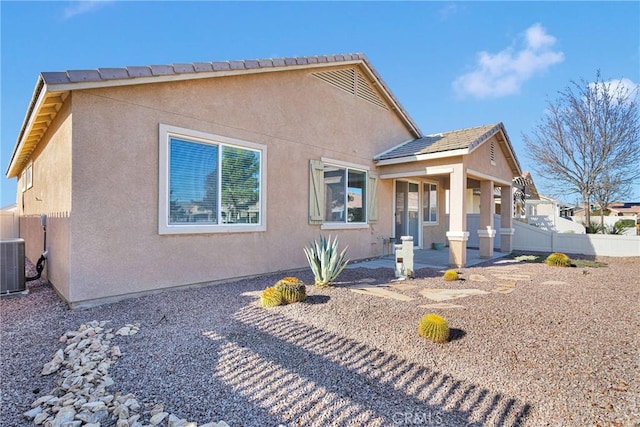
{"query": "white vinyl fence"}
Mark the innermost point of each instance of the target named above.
(530, 238)
(9, 224)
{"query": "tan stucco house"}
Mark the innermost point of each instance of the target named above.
(164, 176)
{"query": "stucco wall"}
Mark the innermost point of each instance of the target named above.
(116, 246)
(480, 161)
(50, 195)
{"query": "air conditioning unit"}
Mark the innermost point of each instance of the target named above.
(12, 266)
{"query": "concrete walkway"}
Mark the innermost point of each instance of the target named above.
(425, 258)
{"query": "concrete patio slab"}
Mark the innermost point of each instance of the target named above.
(426, 258)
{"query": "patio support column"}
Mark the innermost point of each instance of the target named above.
(458, 234)
(486, 232)
(506, 219)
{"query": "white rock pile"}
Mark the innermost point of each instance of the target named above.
(81, 397)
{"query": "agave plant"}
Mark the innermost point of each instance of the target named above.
(325, 260)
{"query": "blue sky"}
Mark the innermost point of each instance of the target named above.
(451, 64)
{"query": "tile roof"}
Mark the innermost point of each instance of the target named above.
(53, 87)
(105, 74)
(446, 141)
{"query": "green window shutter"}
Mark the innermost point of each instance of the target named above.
(372, 198)
(316, 192)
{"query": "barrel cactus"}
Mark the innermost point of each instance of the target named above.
(292, 289)
(558, 259)
(434, 328)
(450, 275)
(271, 297)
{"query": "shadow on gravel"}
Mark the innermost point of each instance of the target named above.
(317, 299)
(326, 378)
(456, 334)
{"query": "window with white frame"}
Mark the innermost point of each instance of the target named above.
(27, 177)
(341, 194)
(430, 203)
(345, 194)
(210, 183)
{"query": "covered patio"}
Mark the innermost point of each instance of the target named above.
(427, 258)
(440, 179)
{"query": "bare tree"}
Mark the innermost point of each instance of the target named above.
(609, 188)
(591, 130)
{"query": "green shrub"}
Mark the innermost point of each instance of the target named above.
(625, 223)
(292, 289)
(271, 297)
(434, 328)
(558, 259)
(451, 275)
(325, 260)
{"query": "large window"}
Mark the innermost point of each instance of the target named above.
(430, 203)
(209, 183)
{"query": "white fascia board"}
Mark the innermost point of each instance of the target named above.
(487, 177)
(421, 157)
(439, 170)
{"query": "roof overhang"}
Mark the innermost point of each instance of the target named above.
(423, 157)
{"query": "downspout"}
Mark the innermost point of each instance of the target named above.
(43, 258)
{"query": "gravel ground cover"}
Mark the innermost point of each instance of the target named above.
(560, 349)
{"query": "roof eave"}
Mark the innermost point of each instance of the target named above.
(39, 92)
(422, 157)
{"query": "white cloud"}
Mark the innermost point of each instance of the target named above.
(503, 73)
(85, 6)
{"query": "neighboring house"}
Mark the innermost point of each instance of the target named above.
(629, 209)
(164, 176)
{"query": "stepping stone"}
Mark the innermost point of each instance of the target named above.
(506, 261)
(512, 276)
(255, 294)
(507, 284)
(403, 286)
(503, 270)
(502, 290)
(442, 305)
(447, 294)
(380, 292)
(478, 278)
(554, 282)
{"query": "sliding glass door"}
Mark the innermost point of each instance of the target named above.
(407, 211)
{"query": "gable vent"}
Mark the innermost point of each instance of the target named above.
(492, 153)
(353, 82)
